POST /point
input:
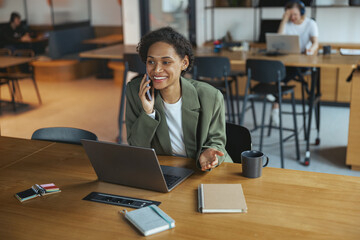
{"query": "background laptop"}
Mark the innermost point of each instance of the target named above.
(132, 166)
(282, 43)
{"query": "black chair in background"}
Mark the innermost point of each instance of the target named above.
(21, 72)
(3, 74)
(63, 135)
(217, 72)
(268, 74)
(5, 52)
(133, 63)
(268, 26)
(238, 140)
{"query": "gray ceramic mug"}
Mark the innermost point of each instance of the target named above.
(252, 163)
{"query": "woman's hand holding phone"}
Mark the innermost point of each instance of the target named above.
(146, 98)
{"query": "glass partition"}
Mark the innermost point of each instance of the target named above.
(171, 13)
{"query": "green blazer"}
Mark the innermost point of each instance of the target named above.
(203, 120)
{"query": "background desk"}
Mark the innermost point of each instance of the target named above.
(9, 61)
(106, 40)
(112, 52)
(282, 204)
(335, 69)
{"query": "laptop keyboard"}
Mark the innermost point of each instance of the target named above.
(171, 180)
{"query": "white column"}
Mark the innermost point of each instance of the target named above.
(131, 22)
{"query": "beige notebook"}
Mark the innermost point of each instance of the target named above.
(221, 198)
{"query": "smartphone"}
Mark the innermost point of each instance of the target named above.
(148, 94)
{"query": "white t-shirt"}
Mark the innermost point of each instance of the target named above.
(173, 116)
(307, 29)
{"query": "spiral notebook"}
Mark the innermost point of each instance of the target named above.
(150, 220)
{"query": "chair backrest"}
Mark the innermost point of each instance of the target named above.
(135, 64)
(63, 135)
(211, 67)
(268, 26)
(5, 52)
(265, 71)
(24, 53)
(26, 67)
(238, 140)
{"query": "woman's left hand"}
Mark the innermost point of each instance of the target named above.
(208, 158)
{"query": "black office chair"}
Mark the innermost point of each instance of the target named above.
(3, 74)
(21, 72)
(133, 63)
(238, 139)
(217, 72)
(298, 74)
(63, 135)
(269, 75)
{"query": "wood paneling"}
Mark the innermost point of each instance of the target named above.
(343, 87)
(328, 83)
(353, 149)
(63, 70)
(118, 68)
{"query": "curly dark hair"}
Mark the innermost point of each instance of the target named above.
(167, 35)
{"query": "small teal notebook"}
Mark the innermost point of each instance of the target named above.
(150, 220)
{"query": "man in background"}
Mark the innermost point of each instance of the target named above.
(14, 33)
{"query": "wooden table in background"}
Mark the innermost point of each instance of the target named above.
(111, 52)
(282, 204)
(9, 61)
(106, 40)
(114, 52)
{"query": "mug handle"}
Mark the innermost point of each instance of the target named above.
(267, 161)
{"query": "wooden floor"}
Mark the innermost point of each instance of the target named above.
(89, 103)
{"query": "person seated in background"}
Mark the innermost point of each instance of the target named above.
(183, 117)
(14, 33)
(295, 22)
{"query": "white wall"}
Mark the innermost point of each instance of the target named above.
(339, 24)
(38, 12)
(106, 13)
(131, 18)
(9, 6)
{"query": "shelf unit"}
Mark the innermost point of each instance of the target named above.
(258, 13)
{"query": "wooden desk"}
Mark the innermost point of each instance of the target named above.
(237, 58)
(111, 52)
(282, 204)
(23, 148)
(8, 61)
(107, 53)
(106, 40)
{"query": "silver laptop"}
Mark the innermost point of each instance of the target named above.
(281, 43)
(132, 166)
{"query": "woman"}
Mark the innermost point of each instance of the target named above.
(184, 117)
(294, 22)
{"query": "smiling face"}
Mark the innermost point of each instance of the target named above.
(295, 15)
(164, 66)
